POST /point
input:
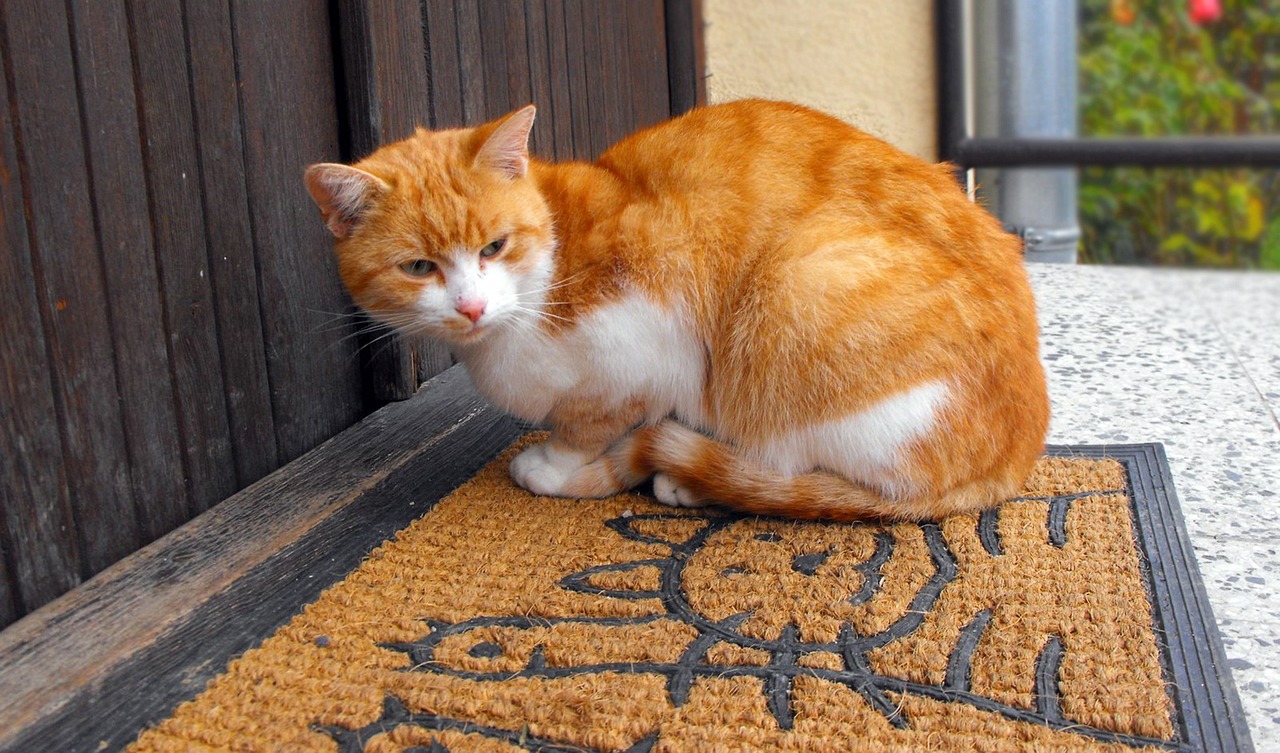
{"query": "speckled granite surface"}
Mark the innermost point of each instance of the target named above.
(1190, 359)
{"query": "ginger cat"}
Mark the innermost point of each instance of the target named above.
(761, 305)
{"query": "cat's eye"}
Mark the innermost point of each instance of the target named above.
(418, 267)
(493, 249)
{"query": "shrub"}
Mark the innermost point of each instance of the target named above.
(1148, 69)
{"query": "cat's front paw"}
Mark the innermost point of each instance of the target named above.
(669, 492)
(544, 471)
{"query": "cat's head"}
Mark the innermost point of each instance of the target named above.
(443, 233)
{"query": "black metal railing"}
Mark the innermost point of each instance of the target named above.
(1173, 151)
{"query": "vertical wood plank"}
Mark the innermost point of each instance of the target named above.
(232, 263)
(580, 106)
(619, 84)
(384, 61)
(41, 554)
(493, 53)
(505, 49)
(542, 140)
(8, 598)
(289, 121)
(444, 71)
(647, 39)
(69, 284)
(123, 228)
(471, 63)
(549, 72)
(600, 74)
(686, 57)
(178, 228)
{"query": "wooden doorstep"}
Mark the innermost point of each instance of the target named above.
(88, 671)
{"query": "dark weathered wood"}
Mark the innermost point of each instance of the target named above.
(8, 599)
(505, 50)
(128, 646)
(69, 286)
(601, 73)
(384, 55)
(232, 261)
(177, 219)
(617, 84)
(471, 62)
(542, 139)
(444, 66)
(584, 145)
(41, 556)
(647, 38)
(552, 135)
(123, 228)
(686, 56)
(289, 121)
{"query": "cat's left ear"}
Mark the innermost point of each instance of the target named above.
(506, 150)
(343, 193)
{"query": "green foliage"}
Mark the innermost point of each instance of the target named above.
(1162, 75)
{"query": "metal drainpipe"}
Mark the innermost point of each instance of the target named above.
(1023, 55)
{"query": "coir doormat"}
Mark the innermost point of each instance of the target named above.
(1068, 619)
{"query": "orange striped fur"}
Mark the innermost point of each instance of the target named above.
(758, 303)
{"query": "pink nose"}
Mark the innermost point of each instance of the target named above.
(472, 308)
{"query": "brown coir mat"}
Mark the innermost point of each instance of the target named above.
(1068, 619)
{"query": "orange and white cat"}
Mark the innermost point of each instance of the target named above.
(754, 301)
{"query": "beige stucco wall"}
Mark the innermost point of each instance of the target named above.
(869, 62)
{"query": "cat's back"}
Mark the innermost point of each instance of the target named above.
(724, 143)
(771, 141)
(772, 164)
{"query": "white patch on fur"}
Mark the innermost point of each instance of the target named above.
(638, 347)
(866, 446)
(632, 348)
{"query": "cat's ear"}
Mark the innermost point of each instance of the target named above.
(343, 193)
(506, 149)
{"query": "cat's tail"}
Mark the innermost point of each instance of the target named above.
(693, 469)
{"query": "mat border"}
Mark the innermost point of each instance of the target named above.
(1212, 720)
(90, 670)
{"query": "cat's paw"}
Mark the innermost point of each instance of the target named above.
(672, 494)
(544, 471)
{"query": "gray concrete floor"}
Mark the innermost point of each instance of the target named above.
(1190, 359)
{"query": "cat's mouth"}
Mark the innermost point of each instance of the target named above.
(470, 333)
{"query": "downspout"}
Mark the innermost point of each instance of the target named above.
(1022, 58)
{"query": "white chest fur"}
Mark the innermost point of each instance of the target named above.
(631, 348)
